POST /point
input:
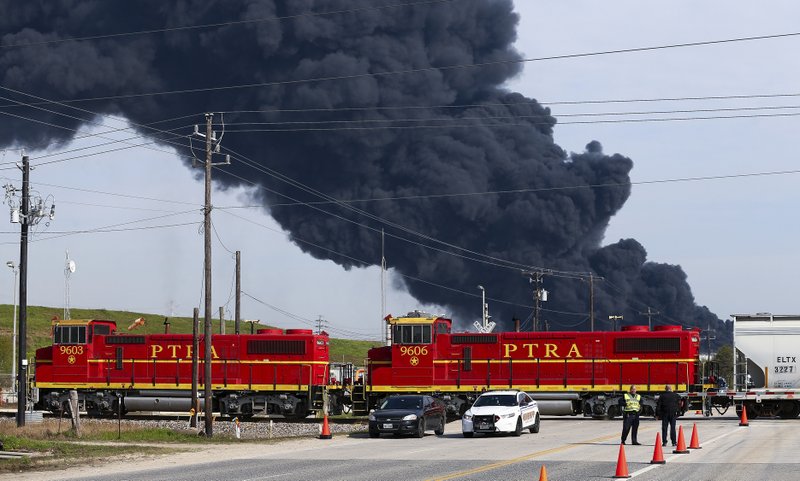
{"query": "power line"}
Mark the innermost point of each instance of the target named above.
(439, 68)
(532, 102)
(507, 124)
(364, 262)
(220, 24)
(508, 117)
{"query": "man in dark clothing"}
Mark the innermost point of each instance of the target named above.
(631, 406)
(667, 408)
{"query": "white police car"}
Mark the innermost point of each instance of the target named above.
(501, 412)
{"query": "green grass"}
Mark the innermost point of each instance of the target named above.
(47, 453)
(39, 321)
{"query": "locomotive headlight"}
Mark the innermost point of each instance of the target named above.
(410, 417)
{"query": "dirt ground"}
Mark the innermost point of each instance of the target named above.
(194, 454)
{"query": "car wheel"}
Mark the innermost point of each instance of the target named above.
(374, 434)
(421, 428)
(518, 430)
(467, 435)
(440, 430)
(535, 427)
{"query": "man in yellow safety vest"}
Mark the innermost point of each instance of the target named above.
(631, 406)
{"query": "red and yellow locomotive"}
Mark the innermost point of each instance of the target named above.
(272, 371)
(566, 372)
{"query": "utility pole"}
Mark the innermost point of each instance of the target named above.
(238, 311)
(709, 338)
(650, 313)
(27, 212)
(539, 295)
(22, 365)
(591, 300)
(15, 269)
(212, 147)
(321, 323)
(195, 371)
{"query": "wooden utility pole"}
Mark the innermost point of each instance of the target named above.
(650, 313)
(22, 363)
(195, 354)
(207, 331)
(238, 318)
(591, 299)
(222, 319)
(212, 147)
(537, 279)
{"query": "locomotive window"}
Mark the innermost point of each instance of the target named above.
(102, 330)
(69, 335)
(412, 334)
(441, 328)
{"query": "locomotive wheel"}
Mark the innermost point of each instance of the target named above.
(535, 428)
(440, 430)
(518, 430)
(300, 413)
(421, 428)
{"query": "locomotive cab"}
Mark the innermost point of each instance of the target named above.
(413, 352)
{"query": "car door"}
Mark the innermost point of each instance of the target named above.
(432, 419)
(527, 409)
(427, 410)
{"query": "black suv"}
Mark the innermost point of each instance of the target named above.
(407, 414)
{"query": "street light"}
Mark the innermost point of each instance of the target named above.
(15, 269)
(483, 306)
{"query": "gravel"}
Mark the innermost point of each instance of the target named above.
(262, 429)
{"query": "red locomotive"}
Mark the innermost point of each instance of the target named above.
(271, 371)
(568, 373)
(287, 372)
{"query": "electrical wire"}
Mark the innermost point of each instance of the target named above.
(220, 24)
(444, 68)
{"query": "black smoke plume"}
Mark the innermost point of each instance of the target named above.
(372, 134)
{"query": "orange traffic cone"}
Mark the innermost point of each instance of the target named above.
(744, 422)
(622, 464)
(658, 454)
(681, 447)
(543, 474)
(695, 443)
(326, 431)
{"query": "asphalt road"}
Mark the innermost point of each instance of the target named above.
(569, 448)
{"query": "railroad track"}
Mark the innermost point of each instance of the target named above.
(10, 413)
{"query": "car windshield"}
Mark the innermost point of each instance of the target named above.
(402, 403)
(496, 400)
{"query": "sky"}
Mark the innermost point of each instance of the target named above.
(733, 237)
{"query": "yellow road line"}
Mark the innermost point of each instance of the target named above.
(527, 457)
